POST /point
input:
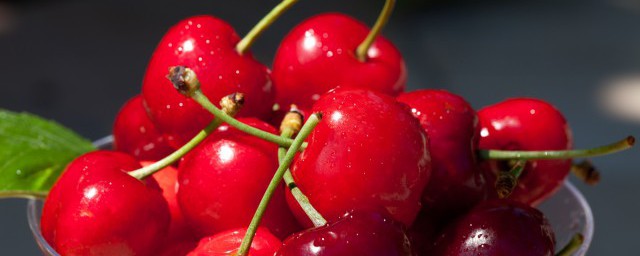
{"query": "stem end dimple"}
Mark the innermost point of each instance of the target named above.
(232, 103)
(586, 172)
(631, 140)
(184, 80)
(292, 120)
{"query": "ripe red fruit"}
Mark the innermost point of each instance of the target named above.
(355, 233)
(167, 179)
(498, 227)
(96, 208)
(228, 242)
(451, 124)
(135, 134)
(368, 152)
(206, 45)
(526, 124)
(223, 179)
(319, 55)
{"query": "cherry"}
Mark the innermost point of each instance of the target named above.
(96, 208)
(167, 179)
(134, 133)
(208, 46)
(498, 227)
(451, 124)
(355, 233)
(319, 55)
(222, 180)
(368, 152)
(226, 243)
(179, 248)
(526, 124)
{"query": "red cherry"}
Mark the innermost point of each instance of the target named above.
(223, 179)
(96, 208)
(451, 124)
(526, 124)
(355, 233)
(319, 55)
(498, 227)
(167, 179)
(179, 248)
(134, 133)
(368, 152)
(228, 242)
(206, 45)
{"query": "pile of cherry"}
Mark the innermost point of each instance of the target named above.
(384, 172)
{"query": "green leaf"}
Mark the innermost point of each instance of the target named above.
(33, 153)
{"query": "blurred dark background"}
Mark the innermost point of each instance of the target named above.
(78, 61)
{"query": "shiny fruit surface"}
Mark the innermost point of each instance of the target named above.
(206, 45)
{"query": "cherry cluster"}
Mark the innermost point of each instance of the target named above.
(382, 171)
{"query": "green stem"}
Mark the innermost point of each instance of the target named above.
(199, 97)
(558, 154)
(385, 14)
(176, 155)
(313, 214)
(275, 181)
(262, 25)
(572, 246)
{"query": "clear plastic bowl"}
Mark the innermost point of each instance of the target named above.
(567, 211)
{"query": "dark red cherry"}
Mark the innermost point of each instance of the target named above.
(223, 179)
(227, 243)
(206, 45)
(498, 227)
(368, 152)
(319, 55)
(96, 208)
(526, 124)
(355, 233)
(134, 133)
(451, 124)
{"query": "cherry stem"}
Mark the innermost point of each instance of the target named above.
(176, 155)
(507, 181)
(572, 246)
(586, 172)
(275, 182)
(262, 25)
(231, 104)
(621, 145)
(288, 129)
(385, 14)
(191, 82)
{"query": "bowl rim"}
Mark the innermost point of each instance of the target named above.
(588, 230)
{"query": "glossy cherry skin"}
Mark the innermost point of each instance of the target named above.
(96, 208)
(451, 124)
(368, 152)
(319, 55)
(135, 134)
(526, 124)
(223, 179)
(178, 248)
(206, 45)
(228, 242)
(167, 179)
(498, 227)
(355, 233)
